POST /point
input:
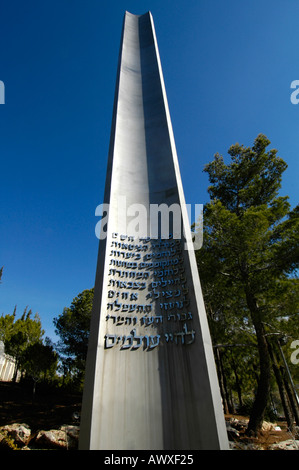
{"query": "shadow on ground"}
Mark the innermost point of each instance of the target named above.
(50, 409)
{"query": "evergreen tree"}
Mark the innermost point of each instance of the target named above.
(73, 328)
(19, 334)
(39, 362)
(250, 252)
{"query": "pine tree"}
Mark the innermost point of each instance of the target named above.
(19, 334)
(72, 325)
(250, 251)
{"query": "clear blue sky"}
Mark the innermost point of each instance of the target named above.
(227, 65)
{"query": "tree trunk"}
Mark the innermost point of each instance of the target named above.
(15, 374)
(231, 403)
(226, 390)
(282, 391)
(221, 381)
(263, 390)
(292, 399)
(289, 386)
(33, 391)
(238, 384)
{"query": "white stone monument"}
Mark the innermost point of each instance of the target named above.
(151, 381)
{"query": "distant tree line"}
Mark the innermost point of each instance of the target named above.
(23, 339)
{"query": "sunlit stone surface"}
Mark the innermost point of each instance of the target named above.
(150, 381)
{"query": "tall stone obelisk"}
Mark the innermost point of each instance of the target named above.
(151, 381)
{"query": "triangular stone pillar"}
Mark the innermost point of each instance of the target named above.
(151, 381)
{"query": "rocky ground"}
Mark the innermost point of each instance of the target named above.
(52, 410)
(51, 421)
(273, 436)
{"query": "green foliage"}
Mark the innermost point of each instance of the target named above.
(73, 328)
(246, 409)
(7, 442)
(39, 361)
(6, 327)
(250, 254)
(252, 178)
(23, 332)
(18, 335)
(251, 236)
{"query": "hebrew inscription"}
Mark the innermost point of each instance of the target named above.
(148, 302)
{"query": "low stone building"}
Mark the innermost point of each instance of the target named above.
(7, 366)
